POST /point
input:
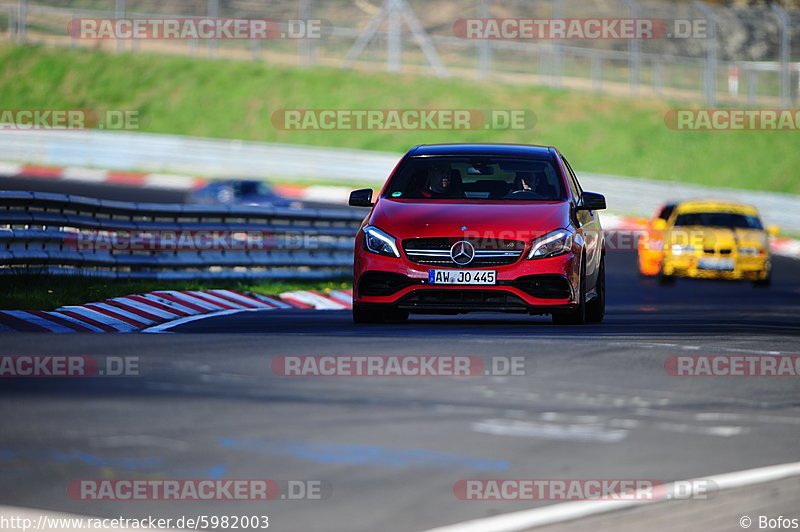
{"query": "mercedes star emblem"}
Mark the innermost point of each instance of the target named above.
(462, 253)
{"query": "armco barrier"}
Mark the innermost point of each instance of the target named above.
(122, 152)
(62, 234)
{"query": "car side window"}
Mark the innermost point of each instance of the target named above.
(573, 181)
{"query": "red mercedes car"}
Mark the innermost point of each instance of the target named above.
(480, 227)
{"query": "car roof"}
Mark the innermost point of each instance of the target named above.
(712, 205)
(515, 150)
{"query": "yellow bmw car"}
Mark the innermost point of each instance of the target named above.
(715, 240)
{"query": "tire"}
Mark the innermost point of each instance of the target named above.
(596, 308)
(763, 283)
(394, 314)
(577, 316)
(366, 315)
(377, 315)
(665, 280)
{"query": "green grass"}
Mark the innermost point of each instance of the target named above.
(233, 99)
(47, 293)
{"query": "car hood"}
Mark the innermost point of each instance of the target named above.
(483, 219)
(719, 237)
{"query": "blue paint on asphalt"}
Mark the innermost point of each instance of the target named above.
(364, 455)
(147, 464)
(217, 471)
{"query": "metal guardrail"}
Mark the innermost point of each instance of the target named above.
(62, 234)
(117, 150)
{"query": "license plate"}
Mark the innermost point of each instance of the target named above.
(715, 264)
(462, 276)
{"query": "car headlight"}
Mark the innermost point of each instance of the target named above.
(750, 251)
(552, 244)
(380, 243)
(680, 249)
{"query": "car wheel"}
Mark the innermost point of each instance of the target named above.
(596, 308)
(377, 315)
(577, 316)
(665, 280)
(366, 315)
(395, 315)
(763, 283)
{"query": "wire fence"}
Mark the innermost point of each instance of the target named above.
(713, 54)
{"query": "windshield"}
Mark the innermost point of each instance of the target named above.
(249, 188)
(477, 178)
(719, 219)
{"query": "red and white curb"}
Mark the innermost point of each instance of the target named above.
(108, 177)
(785, 247)
(162, 309)
(318, 193)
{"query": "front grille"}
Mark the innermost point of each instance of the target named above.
(463, 299)
(377, 284)
(489, 252)
(544, 286)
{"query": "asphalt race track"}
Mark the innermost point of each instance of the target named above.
(596, 402)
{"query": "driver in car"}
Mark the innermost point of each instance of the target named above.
(439, 182)
(528, 181)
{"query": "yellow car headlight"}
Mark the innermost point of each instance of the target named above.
(681, 249)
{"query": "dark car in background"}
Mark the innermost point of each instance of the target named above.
(247, 192)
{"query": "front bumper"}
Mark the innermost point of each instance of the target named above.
(745, 268)
(527, 286)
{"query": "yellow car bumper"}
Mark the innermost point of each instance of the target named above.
(750, 268)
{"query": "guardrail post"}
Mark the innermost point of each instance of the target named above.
(484, 45)
(304, 44)
(752, 87)
(212, 11)
(394, 40)
(22, 21)
(635, 50)
(785, 50)
(658, 76)
(597, 73)
(558, 55)
(119, 12)
(711, 55)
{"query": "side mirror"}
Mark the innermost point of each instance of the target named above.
(660, 224)
(361, 198)
(774, 230)
(591, 201)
